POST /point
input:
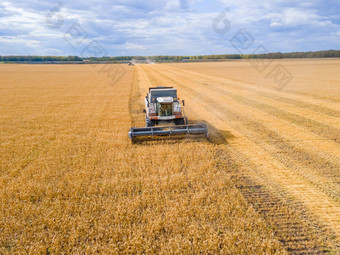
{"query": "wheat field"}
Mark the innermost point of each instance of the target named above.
(265, 182)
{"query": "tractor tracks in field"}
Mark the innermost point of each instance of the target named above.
(318, 105)
(306, 149)
(322, 146)
(308, 106)
(289, 221)
(296, 116)
(316, 168)
(280, 163)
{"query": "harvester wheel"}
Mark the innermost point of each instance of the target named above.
(148, 122)
(179, 122)
(186, 121)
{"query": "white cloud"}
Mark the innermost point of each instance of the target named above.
(135, 46)
(153, 27)
(292, 17)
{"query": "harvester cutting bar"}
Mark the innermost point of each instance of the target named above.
(194, 129)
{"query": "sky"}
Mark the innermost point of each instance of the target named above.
(174, 27)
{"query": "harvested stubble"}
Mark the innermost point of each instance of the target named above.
(284, 141)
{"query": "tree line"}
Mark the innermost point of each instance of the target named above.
(38, 58)
(275, 55)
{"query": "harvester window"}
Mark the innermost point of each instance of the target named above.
(162, 93)
(165, 110)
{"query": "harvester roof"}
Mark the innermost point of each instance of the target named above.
(156, 88)
(162, 92)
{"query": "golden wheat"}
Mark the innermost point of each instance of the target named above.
(266, 182)
(71, 182)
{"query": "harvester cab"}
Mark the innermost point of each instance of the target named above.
(163, 107)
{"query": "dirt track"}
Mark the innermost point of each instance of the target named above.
(286, 142)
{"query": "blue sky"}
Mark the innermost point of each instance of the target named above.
(159, 27)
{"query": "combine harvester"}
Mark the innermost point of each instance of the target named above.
(163, 107)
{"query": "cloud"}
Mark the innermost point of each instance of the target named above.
(176, 27)
(293, 17)
(135, 46)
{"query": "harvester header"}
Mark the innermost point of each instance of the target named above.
(162, 107)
